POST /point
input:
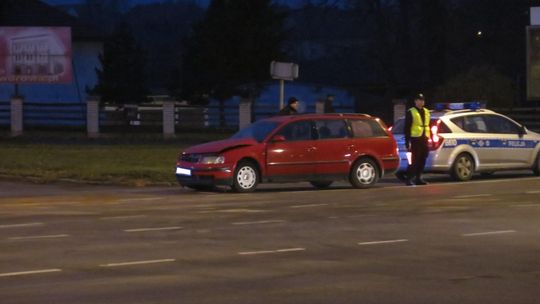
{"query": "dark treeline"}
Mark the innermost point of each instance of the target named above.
(450, 49)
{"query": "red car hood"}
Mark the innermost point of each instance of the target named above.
(220, 145)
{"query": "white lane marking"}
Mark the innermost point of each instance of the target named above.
(132, 263)
(473, 196)
(271, 251)
(307, 206)
(259, 222)
(142, 199)
(152, 229)
(486, 181)
(526, 205)
(533, 192)
(121, 217)
(489, 233)
(21, 273)
(383, 242)
(21, 225)
(53, 236)
(233, 211)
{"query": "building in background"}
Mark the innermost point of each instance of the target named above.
(86, 46)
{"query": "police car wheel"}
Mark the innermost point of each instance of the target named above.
(536, 168)
(463, 168)
(246, 177)
(364, 173)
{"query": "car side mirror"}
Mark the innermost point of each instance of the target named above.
(278, 138)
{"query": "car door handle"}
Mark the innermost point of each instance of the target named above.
(311, 149)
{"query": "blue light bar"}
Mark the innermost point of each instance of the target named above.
(473, 105)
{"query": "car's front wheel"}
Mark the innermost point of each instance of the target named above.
(246, 177)
(463, 168)
(364, 173)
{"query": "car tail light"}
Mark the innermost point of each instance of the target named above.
(390, 128)
(436, 140)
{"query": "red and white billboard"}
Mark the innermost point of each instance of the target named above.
(35, 55)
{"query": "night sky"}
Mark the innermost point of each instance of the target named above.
(135, 2)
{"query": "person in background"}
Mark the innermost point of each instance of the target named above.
(291, 108)
(417, 136)
(329, 104)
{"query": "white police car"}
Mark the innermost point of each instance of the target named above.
(467, 139)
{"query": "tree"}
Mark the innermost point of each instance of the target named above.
(483, 83)
(232, 46)
(121, 78)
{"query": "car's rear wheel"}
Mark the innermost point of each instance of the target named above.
(246, 177)
(536, 168)
(321, 184)
(364, 173)
(463, 168)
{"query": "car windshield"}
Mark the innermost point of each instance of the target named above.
(258, 130)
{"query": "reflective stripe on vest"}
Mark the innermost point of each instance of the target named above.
(417, 127)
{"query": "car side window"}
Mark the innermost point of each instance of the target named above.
(298, 130)
(363, 128)
(471, 123)
(501, 125)
(331, 128)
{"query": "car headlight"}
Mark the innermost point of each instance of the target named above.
(212, 159)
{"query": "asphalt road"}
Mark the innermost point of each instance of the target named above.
(474, 242)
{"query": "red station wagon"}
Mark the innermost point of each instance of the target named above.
(319, 148)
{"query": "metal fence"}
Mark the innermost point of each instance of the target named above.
(150, 116)
(5, 111)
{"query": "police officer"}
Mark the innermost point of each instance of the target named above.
(417, 137)
(291, 108)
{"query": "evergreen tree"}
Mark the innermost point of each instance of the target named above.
(232, 46)
(121, 79)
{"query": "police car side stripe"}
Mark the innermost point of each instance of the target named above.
(491, 143)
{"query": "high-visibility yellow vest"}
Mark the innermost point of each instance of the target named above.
(417, 127)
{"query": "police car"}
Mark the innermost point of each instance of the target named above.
(466, 139)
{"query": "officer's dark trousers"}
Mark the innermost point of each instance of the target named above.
(419, 154)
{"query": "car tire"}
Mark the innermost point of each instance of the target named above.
(321, 184)
(536, 168)
(463, 167)
(246, 177)
(364, 173)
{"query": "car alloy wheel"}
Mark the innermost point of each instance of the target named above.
(463, 167)
(364, 174)
(245, 178)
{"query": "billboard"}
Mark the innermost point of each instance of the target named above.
(35, 55)
(533, 63)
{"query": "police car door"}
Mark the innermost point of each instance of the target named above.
(478, 138)
(515, 148)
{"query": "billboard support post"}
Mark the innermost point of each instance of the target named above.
(283, 71)
(16, 116)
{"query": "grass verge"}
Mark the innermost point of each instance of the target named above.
(138, 160)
